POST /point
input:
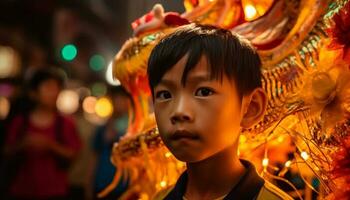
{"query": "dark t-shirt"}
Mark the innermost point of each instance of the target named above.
(247, 188)
(250, 187)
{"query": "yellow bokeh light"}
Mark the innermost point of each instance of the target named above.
(250, 12)
(103, 107)
(89, 104)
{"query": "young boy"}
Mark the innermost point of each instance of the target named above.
(206, 87)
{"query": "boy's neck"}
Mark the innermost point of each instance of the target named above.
(215, 176)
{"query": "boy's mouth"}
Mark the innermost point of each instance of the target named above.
(183, 134)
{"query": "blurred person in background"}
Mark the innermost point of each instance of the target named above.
(102, 170)
(40, 144)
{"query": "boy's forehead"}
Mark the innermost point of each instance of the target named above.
(200, 70)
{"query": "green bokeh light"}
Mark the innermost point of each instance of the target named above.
(69, 52)
(98, 89)
(97, 62)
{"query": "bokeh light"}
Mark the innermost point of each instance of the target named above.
(9, 62)
(94, 119)
(89, 104)
(68, 102)
(99, 89)
(104, 107)
(83, 92)
(69, 52)
(4, 107)
(109, 76)
(97, 62)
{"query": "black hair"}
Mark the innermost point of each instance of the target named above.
(227, 53)
(41, 75)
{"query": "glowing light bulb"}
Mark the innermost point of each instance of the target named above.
(288, 164)
(304, 155)
(265, 162)
(250, 12)
(162, 184)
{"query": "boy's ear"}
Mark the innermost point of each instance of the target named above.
(253, 108)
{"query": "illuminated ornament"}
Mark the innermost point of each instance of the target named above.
(68, 102)
(69, 52)
(103, 107)
(109, 76)
(89, 104)
(4, 107)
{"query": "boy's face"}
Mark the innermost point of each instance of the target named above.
(199, 119)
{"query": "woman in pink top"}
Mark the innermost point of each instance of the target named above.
(47, 141)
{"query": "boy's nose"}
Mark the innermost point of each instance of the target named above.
(182, 112)
(178, 117)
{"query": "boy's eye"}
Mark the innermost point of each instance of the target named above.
(163, 95)
(203, 92)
